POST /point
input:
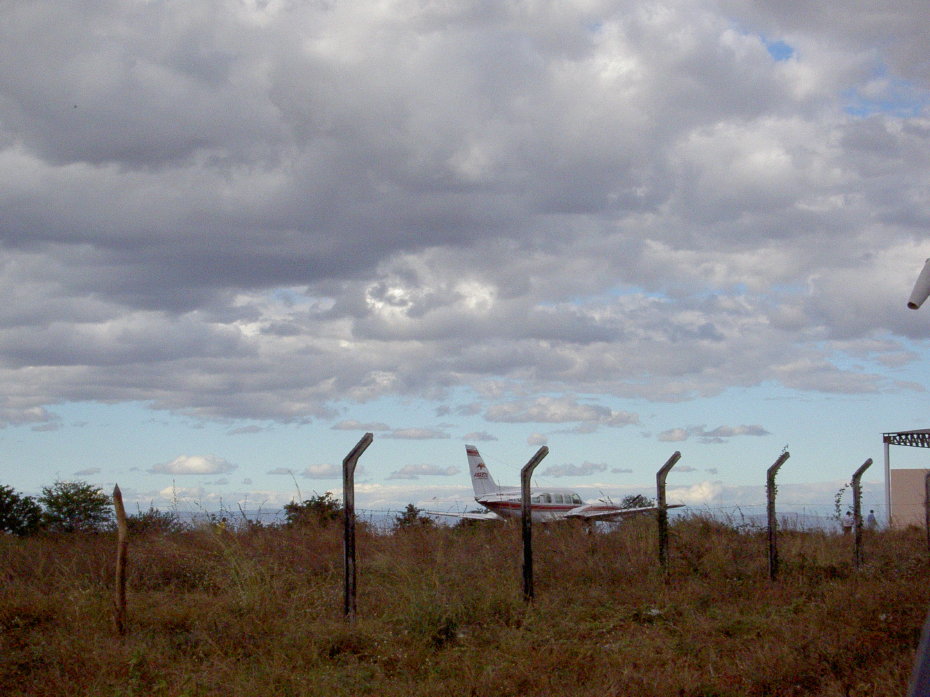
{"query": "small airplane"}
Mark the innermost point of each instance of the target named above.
(546, 505)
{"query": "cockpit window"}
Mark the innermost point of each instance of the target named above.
(576, 499)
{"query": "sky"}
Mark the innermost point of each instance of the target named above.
(236, 235)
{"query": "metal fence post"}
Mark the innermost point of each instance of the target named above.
(770, 491)
(663, 508)
(348, 509)
(526, 517)
(122, 553)
(857, 510)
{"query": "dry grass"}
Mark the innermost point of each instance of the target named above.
(440, 613)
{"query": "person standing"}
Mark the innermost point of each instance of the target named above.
(848, 523)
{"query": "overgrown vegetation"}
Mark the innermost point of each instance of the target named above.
(258, 612)
(319, 509)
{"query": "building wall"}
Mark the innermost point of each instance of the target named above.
(908, 493)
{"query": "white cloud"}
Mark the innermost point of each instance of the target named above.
(416, 434)
(353, 425)
(537, 439)
(194, 464)
(569, 470)
(717, 435)
(558, 410)
(416, 471)
(701, 494)
(323, 471)
(478, 437)
(87, 472)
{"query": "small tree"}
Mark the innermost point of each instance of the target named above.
(411, 517)
(19, 515)
(636, 501)
(74, 507)
(319, 509)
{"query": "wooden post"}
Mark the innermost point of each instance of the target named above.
(857, 510)
(927, 507)
(348, 509)
(663, 508)
(770, 492)
(526, 517)
(122, 550)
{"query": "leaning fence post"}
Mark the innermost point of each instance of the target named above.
(770, 491)
(348, 507)
(927, 507)
(526, 518)
(663, 508)
(857, 510)
(122, 550)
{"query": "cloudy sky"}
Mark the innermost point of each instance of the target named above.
(235, 235)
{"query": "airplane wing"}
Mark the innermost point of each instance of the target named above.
(608, 514)
(473, 515)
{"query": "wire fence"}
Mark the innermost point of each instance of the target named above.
(744, 517)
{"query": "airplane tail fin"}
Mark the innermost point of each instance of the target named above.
(481, 479)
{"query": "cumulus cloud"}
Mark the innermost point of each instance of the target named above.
(569, 470)
(703, 493)
(417, 471)
(322, 471)
(194, 464)
(558, 410)
(537, 439)
(321, 205)
(717, 435)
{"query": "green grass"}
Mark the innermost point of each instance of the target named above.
(440, 612)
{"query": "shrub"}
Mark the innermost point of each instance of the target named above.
(319, 509)
(154, 521)
(411, 517)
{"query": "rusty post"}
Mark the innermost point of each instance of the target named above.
(122, 551)
(663, 508)
(857, 510)
(526, 519)
(348, 509)
(770, 491)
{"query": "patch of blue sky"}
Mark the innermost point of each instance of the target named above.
(888, 96)
(779, 49)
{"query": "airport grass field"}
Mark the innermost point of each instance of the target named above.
(258, 613)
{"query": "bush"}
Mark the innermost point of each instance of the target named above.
(319, 509)
(19, 515)
(154, 521)
(411, 517)
(74, 507)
